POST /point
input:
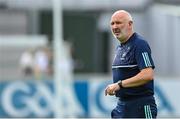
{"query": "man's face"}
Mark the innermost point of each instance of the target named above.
(120, 27)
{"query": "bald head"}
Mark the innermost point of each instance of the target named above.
(123, 14)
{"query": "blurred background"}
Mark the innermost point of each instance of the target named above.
(55, 55)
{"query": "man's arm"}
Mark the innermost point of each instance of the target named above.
(143, 77)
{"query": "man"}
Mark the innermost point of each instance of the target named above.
(132, 70)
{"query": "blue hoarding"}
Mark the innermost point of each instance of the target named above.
(32, 98)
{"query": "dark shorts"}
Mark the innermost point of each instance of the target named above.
(139, 108)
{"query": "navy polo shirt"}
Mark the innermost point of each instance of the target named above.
(131, 57)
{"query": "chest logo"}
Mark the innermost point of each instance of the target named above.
(124, 54)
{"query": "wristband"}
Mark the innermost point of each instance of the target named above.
(120, 84)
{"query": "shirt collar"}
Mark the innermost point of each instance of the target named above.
(130, 39)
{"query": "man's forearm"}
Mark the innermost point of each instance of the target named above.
(141, 78)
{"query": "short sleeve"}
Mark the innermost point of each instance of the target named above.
(143, 55)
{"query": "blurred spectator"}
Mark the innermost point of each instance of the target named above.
(41, 61)
(49, 53)
(76, 62)
(27, 62)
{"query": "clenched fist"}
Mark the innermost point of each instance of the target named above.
(111, 89)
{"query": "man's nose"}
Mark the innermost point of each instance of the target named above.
(114, 26)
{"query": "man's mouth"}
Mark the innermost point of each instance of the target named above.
(116, 31)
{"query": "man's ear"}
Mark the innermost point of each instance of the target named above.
(130, 23)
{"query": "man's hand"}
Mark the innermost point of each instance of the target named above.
(111, 89)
